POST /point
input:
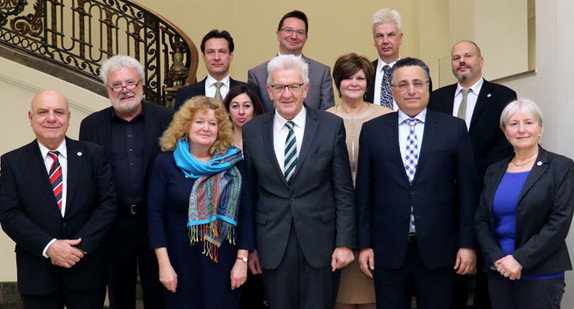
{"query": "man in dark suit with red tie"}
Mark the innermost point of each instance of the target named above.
(417, 192)
(217, 53)
(57, 202)
(480, 103)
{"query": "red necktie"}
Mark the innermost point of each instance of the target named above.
(56, 177)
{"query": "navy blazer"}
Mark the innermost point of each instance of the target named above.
(444, 192)
(320, 95)
(488, 141)
(30, 216)
(543, 215)
(190, 91)
(319, 203)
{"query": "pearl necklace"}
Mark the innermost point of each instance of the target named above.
(522, 164)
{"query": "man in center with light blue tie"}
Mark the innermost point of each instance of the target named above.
(417, 190)
(298, 171)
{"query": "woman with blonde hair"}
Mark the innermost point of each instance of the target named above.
(199, 216)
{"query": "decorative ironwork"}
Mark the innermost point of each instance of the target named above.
(82, 34)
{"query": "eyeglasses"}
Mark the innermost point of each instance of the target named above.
(118, 88)
(290, 31)
(418, 84)
(292, 88)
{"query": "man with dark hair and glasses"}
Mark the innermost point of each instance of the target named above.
(129, 131)
(292, 33)
(217, 53)
(417, 190)
(299, 175)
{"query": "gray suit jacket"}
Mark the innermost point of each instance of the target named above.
(319, 203)
(320, 94)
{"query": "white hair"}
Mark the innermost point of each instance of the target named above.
(118, 62)
(286, 62)
(387, 15)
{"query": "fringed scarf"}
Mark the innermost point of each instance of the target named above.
(212, 212)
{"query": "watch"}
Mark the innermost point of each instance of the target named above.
(244, 259)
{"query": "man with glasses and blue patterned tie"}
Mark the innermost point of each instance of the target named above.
(58, 203)
(129, 131)
(300, 180)
(292, 33)
(417, 190)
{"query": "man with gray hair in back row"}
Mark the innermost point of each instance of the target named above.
(299, 175)
(129, 131)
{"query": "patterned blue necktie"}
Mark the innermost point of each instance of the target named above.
(411, 160)
(290, 152)
(386, 96)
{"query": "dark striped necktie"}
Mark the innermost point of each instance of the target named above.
(56, 177)
(290, 152)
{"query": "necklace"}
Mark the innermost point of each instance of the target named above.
(522, 164)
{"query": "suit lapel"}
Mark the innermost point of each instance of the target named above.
(482, 101)
(267, 135)
(151, 129)
(308, 139)
(429, 137)
(538, 169)
(37, 168)
(75, 156)
(104, 132)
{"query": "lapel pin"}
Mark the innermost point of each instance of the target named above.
(539, 163)
(79, 153)
(488, 95)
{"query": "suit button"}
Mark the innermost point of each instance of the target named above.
(64, 224)
(411, 192)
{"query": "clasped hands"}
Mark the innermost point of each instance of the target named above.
(509, 267)
(64, 253)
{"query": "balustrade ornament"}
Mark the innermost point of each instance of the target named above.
(82, 34)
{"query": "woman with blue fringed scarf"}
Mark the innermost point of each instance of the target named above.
(199, 215)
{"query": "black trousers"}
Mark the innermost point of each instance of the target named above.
(72, 299)
(525, 293)
(394, 288)
(295, 284)
(129, 255)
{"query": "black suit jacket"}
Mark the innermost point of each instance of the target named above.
(97, 128)
(444, 192)
(543, 215)
(320, 201)
(30, 215)
(488, 141)
(190, 91)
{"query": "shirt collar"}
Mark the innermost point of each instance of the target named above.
(420, 116)
(210, 80)
(381, 63)
(475, 88)
(299, 120)
(62, 149)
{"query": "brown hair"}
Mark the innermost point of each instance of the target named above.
(350, 64)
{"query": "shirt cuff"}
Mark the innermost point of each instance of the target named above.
(46, 248)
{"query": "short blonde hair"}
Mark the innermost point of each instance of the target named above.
(179, 126)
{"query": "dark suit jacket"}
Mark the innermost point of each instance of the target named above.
(543, 215)
(488, 141)
(30, 216)
(320, 201)
(190, 91)
(444, 192)
(97, 128)
(320, 95)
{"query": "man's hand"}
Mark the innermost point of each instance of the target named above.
(342, 256)
(367, 261)
(63, 252)
(465, 261)
(254, 264)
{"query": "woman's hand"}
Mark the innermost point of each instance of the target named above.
(167, 275)
(239, 270)
(509, 267)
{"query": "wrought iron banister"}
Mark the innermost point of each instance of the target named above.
(74, 37)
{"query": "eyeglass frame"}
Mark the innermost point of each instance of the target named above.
(405, 85)
(283, 87)
(290, 31)
(120, 89)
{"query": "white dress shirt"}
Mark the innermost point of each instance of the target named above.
(379, 79)
(210, 87)
(280, 132)
(471, 99)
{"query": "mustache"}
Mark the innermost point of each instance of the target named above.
(126, 95)
(463, 65)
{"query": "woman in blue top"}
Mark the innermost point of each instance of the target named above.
(199, 214)
(524, 216)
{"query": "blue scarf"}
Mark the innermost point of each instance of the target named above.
(193, 168)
